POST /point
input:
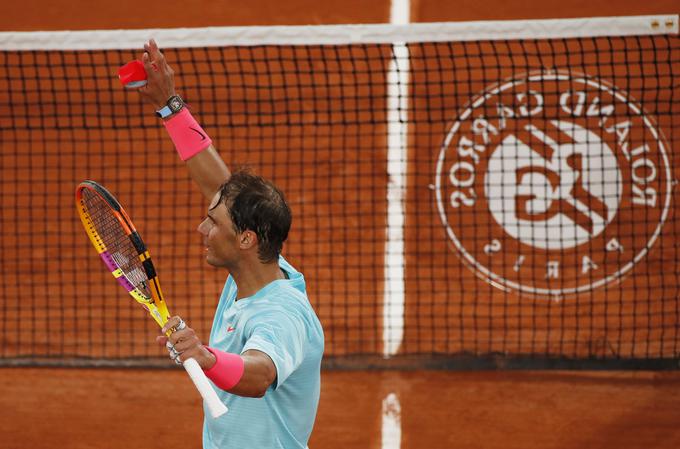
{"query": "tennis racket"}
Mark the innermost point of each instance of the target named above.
(124, 253)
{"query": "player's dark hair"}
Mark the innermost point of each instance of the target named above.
(257, 205)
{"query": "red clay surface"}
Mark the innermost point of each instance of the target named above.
(107, 409)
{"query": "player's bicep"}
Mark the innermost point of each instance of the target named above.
(259, 373)
(282, 338)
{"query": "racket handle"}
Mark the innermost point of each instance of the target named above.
(215, 405)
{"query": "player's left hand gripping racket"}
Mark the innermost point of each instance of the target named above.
(126, 256)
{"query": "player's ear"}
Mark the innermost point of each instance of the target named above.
(248, 239)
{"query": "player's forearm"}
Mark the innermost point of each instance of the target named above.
(194, 146)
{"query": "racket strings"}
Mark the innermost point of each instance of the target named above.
(117, 241)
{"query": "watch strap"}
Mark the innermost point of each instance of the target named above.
(172, 106)
(164, 112)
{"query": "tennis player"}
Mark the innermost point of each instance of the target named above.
(266, 343)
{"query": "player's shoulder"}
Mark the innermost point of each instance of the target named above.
(289, 269)
(286, 295)
(283, 295)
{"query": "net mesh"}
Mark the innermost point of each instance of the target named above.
(120, 251)
(507, 198)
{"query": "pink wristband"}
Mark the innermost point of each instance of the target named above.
(187, 135)
(227, 371)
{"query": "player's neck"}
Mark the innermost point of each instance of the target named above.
(252, 277)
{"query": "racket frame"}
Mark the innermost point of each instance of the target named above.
(156, 304)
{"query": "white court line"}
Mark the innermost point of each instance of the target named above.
(397, 156)
(391, 422)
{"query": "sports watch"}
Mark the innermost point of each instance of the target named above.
(174, 105)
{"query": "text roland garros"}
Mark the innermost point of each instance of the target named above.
(553, 183)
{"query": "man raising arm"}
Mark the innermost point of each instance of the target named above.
(266, 343)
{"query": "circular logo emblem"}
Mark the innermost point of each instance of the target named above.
(553, 183)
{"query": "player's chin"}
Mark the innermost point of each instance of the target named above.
(212, 260)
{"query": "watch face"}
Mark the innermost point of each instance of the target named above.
(175, 103)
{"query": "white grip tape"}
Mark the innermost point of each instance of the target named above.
(215, 405)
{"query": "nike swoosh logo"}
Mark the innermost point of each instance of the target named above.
(198, 132)
(231, 329)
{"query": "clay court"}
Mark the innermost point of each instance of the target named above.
(338, 197)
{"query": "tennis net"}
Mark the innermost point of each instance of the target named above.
(464, 194)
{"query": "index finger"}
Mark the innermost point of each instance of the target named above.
(156, 57)
(152, 48)
(172, 324)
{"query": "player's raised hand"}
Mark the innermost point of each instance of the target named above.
(160, 76)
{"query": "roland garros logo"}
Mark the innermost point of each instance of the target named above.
(553, 184)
